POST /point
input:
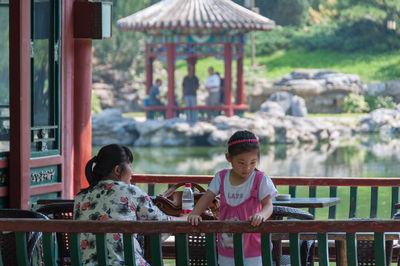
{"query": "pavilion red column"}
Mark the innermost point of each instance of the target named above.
(191, 61)
(82, 150)
(19, 158)
(171, 55)
(149, 70)
(228, 79)
(239, 81)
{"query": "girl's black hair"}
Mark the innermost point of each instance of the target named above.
(242, 147)
(107, 158)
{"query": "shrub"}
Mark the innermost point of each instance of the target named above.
(96, 106)
(354, 103)
(376, 102)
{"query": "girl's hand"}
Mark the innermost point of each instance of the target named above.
(257, 219)
(194, 219)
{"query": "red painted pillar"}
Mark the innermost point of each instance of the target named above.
(171, 54)
(19, 160)
(82, 150)
(239, 81)
(228, 79)
(191, 61)
(149, 69)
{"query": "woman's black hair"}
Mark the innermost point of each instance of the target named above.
(107, 158)
(236, 147)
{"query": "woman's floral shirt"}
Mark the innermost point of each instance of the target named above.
(113, 200)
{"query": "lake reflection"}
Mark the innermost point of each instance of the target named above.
(363, 156)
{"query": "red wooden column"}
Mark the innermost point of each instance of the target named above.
(228, 79)
(239, 81)
(19, 164)
(149, 69)
(171, 55)
(82, 148)
(191, 61)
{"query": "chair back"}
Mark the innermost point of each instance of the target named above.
(7, 239)
(60, 211)
(307, 247)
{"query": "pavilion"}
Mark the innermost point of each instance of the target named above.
(190, 29)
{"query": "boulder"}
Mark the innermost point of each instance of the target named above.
(284, 99)
(393, 89)
(376, 88)
(110, 127)
(272, 108)
(298, 107)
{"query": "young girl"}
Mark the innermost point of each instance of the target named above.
(246, 194)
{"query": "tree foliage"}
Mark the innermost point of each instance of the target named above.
(124, 47)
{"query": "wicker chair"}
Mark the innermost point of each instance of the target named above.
(307, 247)
(60, 211)
(8, 242)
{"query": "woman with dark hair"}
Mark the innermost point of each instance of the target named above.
(111, 196)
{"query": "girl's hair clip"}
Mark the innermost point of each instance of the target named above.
(241, 141)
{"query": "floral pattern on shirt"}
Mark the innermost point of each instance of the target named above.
(113, 200)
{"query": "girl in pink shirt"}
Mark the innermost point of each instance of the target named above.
(246, 194)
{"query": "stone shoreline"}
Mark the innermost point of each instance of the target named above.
(111, 127)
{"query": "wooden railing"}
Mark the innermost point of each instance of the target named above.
(313, 184)
(295, 229)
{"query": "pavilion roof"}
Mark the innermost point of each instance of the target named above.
(196, 14)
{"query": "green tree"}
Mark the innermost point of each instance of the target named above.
(124, 47)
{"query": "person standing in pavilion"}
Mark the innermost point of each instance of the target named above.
(213, 84)
(189, 86)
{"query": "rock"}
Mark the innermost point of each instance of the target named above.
(385, 121)
(284, 99)
(298, 107)
(283, 103)
(110, 127)
(272, 108)
(376, 88)
(304, 87)
(322, 90)
(393, 89)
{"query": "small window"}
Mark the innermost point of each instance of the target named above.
(45, 107)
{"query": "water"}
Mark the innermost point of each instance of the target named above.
(359, 157)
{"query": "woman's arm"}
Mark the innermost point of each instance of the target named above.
(266, 211)
(194, 217)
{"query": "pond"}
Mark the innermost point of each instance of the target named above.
(366, 156)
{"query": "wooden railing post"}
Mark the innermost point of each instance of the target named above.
(182, 249)
(129, 250)
(22, 254)
(238, 249)
(101, 250)
(266, 249)
(323, 250)
(211, 250)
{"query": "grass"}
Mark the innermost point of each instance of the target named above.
(369, 66)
